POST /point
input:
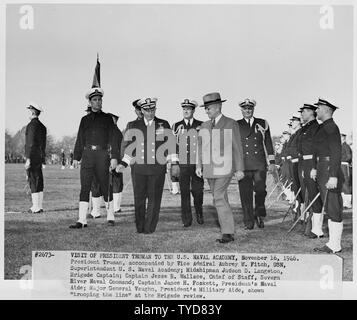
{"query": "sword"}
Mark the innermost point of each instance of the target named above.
(109, 184)
(279, 195)
(303, 213)
(291, 205)
(276, 185)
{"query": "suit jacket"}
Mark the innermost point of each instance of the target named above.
(35, 141)
(253, 145)
(141, 154)
(187, 145)
(220, 152)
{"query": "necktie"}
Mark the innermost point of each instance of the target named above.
(213, 123)
(249, 122)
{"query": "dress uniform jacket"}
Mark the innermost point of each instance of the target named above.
(35, 150)
(190, 143)
(96, 136)
(146, 162)
(35, 141)
(189, 181)
(256, 149)
(253, 144)
(327, 161)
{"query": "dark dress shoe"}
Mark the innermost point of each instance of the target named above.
(325, 249)
(118, 211)
(186, 225)
(314, 236)
(226, 238)
(30, 211)
(200, 218)
(148, 232)
(111, 223)
(249, 227)
(260, 222)
(78, 225)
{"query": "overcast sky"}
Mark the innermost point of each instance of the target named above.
(275, 54)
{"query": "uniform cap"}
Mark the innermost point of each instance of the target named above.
(189, 103)
(323, 102)
(308, 106)
(247, 103)
(94, 92)
(148, 103)
(33, 105)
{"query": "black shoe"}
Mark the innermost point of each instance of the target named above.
(91, 217)
(148, 232)
(226, 238)
(118, 211)
(314, 236)
(325, 249)
(249, 227)
(186, 225)
(78, 225)
(41, 211)
(30, 211)
(111, 223)
(200, 218)
(260, 222)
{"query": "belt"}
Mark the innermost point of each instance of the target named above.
(295, 160)
(283, 158)
(307, 156)
(288, 157)
(345, 163)
(327, 158)
(94, 147)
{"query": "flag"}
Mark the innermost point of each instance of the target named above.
(96, 77)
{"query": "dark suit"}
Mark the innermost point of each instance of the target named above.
(255, 164)
(189, 181)
(35, 147)
(147, 172)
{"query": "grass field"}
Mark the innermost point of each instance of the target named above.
(26, 232)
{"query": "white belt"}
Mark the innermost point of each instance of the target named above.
(345, 163)
(288, 157)
(294, 160)
(283, 158)
(307, 157)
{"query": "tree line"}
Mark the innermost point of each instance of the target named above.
(15, 146)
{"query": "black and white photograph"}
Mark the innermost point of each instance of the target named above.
(194, 131)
